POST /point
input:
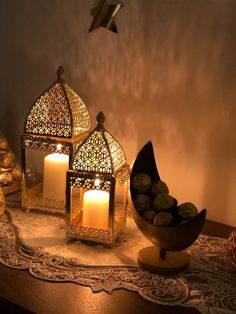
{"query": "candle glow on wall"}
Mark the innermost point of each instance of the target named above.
(56, 123)
(96, 188)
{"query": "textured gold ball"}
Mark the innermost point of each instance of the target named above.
(159, 187)
(187, 210)
(163, 201)
(142, 182)
(6, 178)
(16, 173)
(149, 215)
(163, 219)
(3, 144)
(142, 202)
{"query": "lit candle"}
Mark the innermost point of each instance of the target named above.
(54, 176)
(96, 209)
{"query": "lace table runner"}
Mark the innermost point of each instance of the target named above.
(37, 242)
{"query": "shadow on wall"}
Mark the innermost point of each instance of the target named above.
(172, 81)
(37, 38)
(167, 76)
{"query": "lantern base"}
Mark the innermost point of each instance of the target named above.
(158, 260)
(33, 199)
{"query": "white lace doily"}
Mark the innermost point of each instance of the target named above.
(37, 242)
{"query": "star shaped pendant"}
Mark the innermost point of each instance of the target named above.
(103, 15)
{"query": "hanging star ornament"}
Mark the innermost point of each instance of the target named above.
(104, 13)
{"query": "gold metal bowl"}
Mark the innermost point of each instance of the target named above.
(166, 255)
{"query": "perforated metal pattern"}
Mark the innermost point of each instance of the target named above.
(80, 115)
(58, 112)
(31, 142)
(89, 183)
(117, 153)
(93, 155)
(100, 152)
(91, 234)
(50, 114)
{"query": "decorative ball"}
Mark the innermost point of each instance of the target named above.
(187, 210)
(6, 178)
(16, 173)
(149, 215)
(142, 182)
(159, 187)
(163, 219)
(142, 202)
(163, 201)
(7, 160)
(3, 144)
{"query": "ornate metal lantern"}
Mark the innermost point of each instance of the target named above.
(97, 188)
(57, 122)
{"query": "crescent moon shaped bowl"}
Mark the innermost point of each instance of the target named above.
(173, 238)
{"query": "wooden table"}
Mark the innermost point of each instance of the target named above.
(22, 293)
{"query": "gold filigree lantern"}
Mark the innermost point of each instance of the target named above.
(96, 188)
(57, 122)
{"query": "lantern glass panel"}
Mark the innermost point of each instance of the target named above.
(89, 216)
(120, 202)
(90, 207)
(44, 173)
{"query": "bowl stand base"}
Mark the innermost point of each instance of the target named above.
(158, 260)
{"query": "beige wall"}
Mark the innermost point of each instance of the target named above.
(168, 76)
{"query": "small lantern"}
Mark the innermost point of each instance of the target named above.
(97, 188)
(57, 122)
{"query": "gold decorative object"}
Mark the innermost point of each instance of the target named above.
(96, 188)
(231, 257)
(104, 13)
(2, 202)
(10, 174)
(57, 122)
(167, 255)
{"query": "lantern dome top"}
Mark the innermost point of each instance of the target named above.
(58, 112)
(99, 152)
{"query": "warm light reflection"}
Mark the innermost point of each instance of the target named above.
(97, 182)
(59, 147)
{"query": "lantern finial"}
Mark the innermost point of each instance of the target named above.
(60, 73)
(100, 118)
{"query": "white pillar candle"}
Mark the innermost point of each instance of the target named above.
(96, 209)
(54, 176)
